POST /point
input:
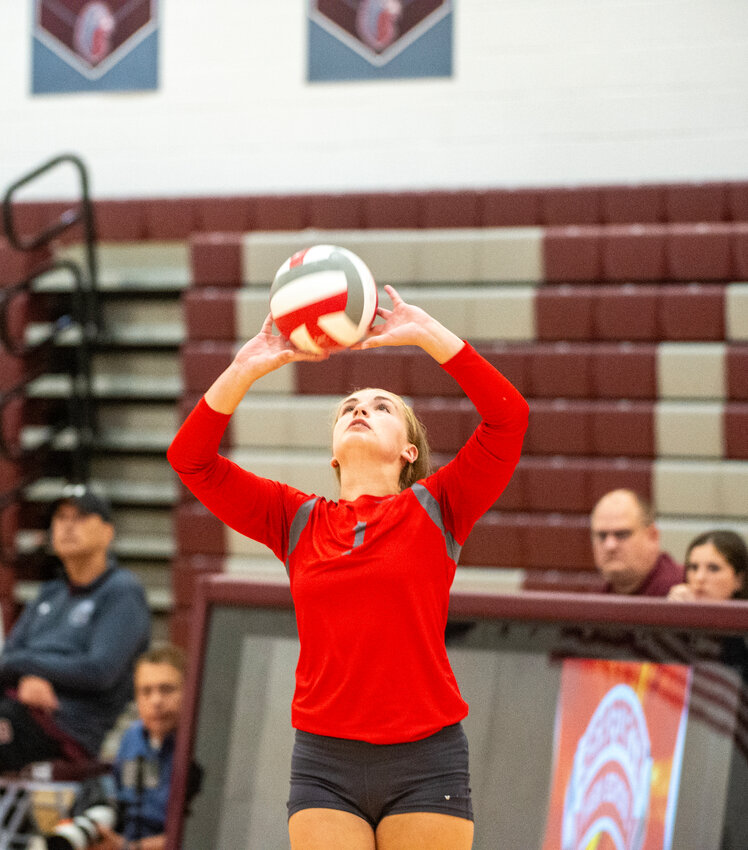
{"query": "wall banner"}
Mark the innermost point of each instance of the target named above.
(92, 45)
(379, 39)
(618, 751)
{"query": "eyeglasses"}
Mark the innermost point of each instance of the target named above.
(165, 690)
(620, 536)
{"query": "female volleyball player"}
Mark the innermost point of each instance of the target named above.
(380, 759)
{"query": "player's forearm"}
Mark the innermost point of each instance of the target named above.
(229, 388)
(439, 342)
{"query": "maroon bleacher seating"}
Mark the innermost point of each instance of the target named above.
(633, 204)
(696, 202)
(634, 252)
(510, 207)
(631, 312)
(210, 314)
(624, 269)
(224, 215)
(737, 372)
(571, 205)
(216, 259)
(736, 430)
(699, 251)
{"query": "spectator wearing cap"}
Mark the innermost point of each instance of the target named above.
(66, 668)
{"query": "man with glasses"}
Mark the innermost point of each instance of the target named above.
(626, 547)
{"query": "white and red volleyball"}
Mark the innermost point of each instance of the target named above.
(323, 298)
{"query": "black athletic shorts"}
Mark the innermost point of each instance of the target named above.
(377, 780)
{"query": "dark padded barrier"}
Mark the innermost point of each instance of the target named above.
(507, 651)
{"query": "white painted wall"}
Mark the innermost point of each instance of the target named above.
(545, 92)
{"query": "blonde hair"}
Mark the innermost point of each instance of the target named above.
(416, 434)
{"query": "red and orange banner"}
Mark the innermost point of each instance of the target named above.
(618, 750)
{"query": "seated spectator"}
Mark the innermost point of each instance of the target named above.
(144, 761)
(67, 665)
(716, 567)
(626, 547)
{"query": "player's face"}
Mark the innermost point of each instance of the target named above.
(158, 695)
(624, 549)
(370, 421)
(78, 535)
(709, 574)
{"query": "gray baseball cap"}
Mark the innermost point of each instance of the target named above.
(86, 500)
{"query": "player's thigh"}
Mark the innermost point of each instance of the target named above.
(424, 831)
(329, 829)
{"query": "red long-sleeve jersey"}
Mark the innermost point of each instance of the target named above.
(370, 578)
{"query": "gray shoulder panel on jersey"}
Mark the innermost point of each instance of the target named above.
(301, 518)
(431, 506)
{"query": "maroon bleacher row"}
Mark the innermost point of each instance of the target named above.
(580, 313)
(636, 253)
(583, 370)
(586, 399)
(599, 436)
(177, 218)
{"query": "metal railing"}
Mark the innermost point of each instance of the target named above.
(75, 311)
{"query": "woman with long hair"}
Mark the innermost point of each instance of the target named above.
(380, 759)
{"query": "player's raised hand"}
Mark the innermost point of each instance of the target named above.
(407, 324)
(267, 351)
(263, 353)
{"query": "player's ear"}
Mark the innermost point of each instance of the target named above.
(334, 463)
(409, 453)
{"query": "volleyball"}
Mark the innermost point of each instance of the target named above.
(323, 298)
